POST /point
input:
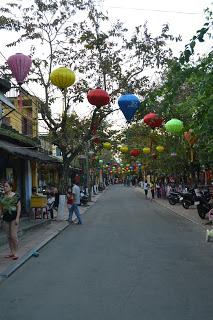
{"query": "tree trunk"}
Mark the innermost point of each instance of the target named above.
(63, 185)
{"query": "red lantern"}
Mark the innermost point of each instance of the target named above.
(152, 120)
(98, 97)
(135, 152)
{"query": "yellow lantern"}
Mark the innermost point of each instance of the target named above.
(160, 148)
(146, 150)
(62, 78)
(107, 145)
(124, 149)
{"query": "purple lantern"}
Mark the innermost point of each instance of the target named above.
(20, 65)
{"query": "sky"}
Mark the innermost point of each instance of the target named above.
(184, 17)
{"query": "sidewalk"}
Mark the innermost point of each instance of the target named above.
(34, 235)
(189, 214)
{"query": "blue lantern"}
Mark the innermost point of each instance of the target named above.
(129, 104)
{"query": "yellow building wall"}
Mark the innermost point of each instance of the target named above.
(29, 114)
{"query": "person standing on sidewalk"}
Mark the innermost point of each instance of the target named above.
(76, 203)
(152, 188)
(10, 210)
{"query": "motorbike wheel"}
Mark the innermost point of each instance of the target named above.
(201, 212)
(186, 204)
(172, 201)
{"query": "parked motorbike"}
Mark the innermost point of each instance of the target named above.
(175, 197)
(203, 205)
(189, 199)
(84, 198)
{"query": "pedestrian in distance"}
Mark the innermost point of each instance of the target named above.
(152, 188)
(10, 210)
(146, 188)
(50, 204)
(76, 202)
(69, 201)
(158, 190)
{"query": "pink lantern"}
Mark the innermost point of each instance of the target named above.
(20, 65)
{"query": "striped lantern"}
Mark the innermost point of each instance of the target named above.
(62, 78)
(20, 66)
(146, 150)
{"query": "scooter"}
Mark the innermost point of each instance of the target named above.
(84, 198)
(189, 199)
(175, 197)
(203, 205)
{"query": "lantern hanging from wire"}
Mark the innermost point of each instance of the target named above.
(152, 120)
(124, 149)
(135, 152)
(19, 65)
(107, 145)
(174, 126)
(146, 150)
(98, 97)
(62, 78)
(160, 149)
(129, 104)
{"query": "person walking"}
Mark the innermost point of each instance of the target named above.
(76, 203)
(10, 210)
(146, 188)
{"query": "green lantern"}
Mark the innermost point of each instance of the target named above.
(174, 126)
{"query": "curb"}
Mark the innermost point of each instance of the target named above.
(34, 252)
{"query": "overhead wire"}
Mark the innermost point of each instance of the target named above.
(151, 10)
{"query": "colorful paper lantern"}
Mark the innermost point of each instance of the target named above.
(20, 66)
(174, 126)
(152, 120)
(62, 77)
(107, 145)
(160, 149)
(98, 97)
(146, 150)
(135, 152)
(124, 149)
(129, 104)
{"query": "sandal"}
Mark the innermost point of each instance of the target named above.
(15, 258)
(9, 256)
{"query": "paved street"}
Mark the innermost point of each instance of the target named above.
(132, 259)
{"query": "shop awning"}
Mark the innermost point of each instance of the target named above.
(26, 152)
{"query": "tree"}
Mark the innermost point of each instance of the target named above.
(106, 58)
